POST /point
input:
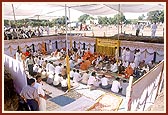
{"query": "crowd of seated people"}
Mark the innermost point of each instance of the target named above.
(56, 74)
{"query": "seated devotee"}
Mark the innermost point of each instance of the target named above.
(125, 64)
(116, 86)
(93, 82)
(79, 61)
(44, 75)
(58, 55)
(71, 63)
(35, 68)
(121, 69)
(85, 77)
(151, 64)
(64, 84)
(88, 63)
(57, 80)
(124, 86)
(132, 64)
(58, 69)
(40, 69)
(47, 66)
(142, 64)
(146, 68)
(51, 68)
(64, 71)
(77, 76)
(107, 67)
(99, 66)
(114, 67)
(83, 66)
(105, 82)
(72, 73)
(50, 78)
(44, 64)
(128, 71)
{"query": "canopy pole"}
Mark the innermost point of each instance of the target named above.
(70, 29)
(15, 20)
(67, 56)
(118, 35)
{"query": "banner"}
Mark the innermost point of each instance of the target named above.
(107, 42)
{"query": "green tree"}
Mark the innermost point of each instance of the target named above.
(103, 20)
(156, 16)
(141, 17)
(119, 17)
(83, 18)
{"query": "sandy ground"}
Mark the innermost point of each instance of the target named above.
(112, 30)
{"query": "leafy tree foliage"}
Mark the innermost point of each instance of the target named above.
(156, 16)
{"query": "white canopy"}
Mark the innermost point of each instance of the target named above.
(51, 10)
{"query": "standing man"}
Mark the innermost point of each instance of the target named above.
(153, 29)
(41, 93)
(30, 95)
(137, 29)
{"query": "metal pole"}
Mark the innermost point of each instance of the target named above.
(15, 20)
(67, 56)
(70, 29)
(118, 34)
(118, 19)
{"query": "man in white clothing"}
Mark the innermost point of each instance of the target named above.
(93, 82)
(116, 86)
(72, 73)
(41, 93)
(57, 79)
(51, 68)
(77, 76)
(85, 77)
(127, 55)
(104, 82)
(114, 67)
(123, 54)
(58, 69)
(153, 29)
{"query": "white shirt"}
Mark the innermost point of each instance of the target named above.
(35, 68)
(64, 83)
(91, 80)
(85, 78)
(115, 86)
(58, 69)
(71, 74)
(77, 77)
(57, 79)
(132, 65)
(123, 54)
(127, 55)
(154, 27)
(51, 68)
(51, 76)
(114, 68)
(47, 66)
(43, 74)
(104, 81)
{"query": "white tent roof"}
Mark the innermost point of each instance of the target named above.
(48, 10)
